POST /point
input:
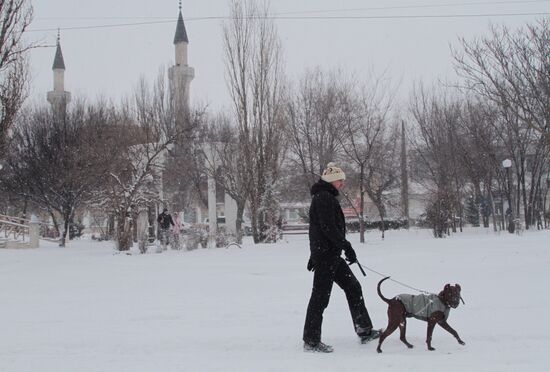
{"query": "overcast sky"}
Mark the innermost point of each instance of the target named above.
(109, 61)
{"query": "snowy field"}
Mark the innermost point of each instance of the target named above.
(88, 308)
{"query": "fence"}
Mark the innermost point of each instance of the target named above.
(14, 228)
(16, 232)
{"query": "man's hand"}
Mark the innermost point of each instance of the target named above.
(351, 257)
(310, 266)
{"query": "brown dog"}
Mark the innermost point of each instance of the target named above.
(432, 308)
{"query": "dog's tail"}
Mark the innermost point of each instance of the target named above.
(380, 292)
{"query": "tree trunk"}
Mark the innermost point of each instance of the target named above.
(54, 221)
(492, 201)
(124, 232)
(453, 222)
(256, 236)
(25, 206)
(383, 225)
(521, 193)
(362, 205)
(544, 209)
(239, 222)
(67, 217)
(65, 233)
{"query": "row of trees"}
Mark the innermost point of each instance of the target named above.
(285, 135)
(510, 71)
(458, 133)
(500, 110)
(277, 137)
(96, 156)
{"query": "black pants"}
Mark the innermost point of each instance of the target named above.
(325, 274)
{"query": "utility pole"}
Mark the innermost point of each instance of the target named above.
(404, 176)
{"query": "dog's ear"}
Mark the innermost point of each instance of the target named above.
(458, 287)
(447, 287)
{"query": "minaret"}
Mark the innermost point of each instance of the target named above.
(58, 97)
(181, 74)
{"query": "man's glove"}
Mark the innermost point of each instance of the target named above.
(310, 266)
(351, 257)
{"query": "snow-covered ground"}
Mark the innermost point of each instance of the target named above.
(88, 308)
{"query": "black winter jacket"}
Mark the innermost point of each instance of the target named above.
(327, 227)
(165, 220)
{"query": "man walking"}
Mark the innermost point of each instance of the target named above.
(327, 240)
(165, 221)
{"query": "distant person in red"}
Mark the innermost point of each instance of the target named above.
(327, 240)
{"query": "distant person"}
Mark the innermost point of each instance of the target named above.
(177, 226)
(165, 221)
(327, 240)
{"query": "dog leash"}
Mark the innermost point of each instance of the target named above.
(393, 280)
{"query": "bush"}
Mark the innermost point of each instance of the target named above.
(75, 230)
(438, 216)
(195, 236)
(422, 221)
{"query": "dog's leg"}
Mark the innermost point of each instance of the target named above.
(450, 329)
(432, 321)
(393, 322)
(392, 326)
(403, 330)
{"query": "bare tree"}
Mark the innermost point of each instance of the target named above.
(136, 178)
(370, 143)
(435, 145)
(57, 161)
(254, 77)
(15, 17)
(315, 122)
(185, 174)
(512, 70)
(228, 167)
(479, 149)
